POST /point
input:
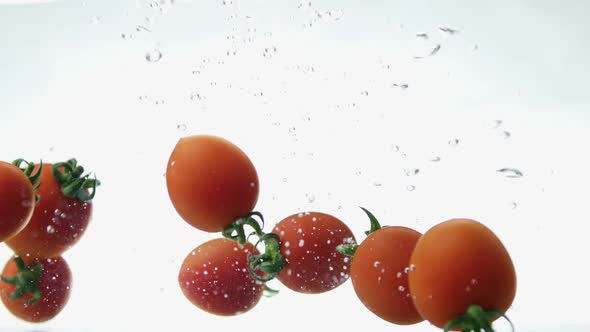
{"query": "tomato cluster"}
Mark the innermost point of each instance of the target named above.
(44, 210)
(457, 275)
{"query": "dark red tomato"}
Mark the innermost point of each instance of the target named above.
(17, 200)
(379, 274)
(215, 277)
(58, 221)
(308, 244)
(53, 283)
(211, 182)
(459, 263)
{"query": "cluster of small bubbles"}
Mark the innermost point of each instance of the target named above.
(269, 51)
(159, 102)
(231, 53)
(196, 96)
(365, 93)
(258, 94)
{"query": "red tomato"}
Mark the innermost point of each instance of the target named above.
(58, 221)
(215, 277)
(308, 244)
(53, 282)
(379, 274)
(211, 182)
(17, 200)
(458, 263)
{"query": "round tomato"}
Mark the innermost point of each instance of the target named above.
(308, 244)
(35, 290)
(379, 274)
(211, 182)
(17, 199)
(215, 277)
(456, 264)
(58, 221)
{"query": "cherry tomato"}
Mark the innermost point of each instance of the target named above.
(17, 200)
(58, 221)
(215, 277)
(456, 264)
(45, 286)
(308, 243)
(379, 274)
(211, 182)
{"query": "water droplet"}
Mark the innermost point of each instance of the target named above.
(50, 229)
(510, 172)
(410, 187)
(454, 142)
(95, 19)
(153, 56)
(181, 127)
(447, 30)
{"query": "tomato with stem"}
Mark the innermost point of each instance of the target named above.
(462, 276)
(211, 182)
(35, 290)
(308, 242)
(62, 213)
(17, 197)
(215, 278)
(379, 271)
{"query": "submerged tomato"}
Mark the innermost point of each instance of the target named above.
(211, 182)
(53, 281)
(308, 243)
(58, 222)
(215, 277)
(456, 264)
(379, 274)
(17, 200)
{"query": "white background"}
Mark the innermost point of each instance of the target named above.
(307, 91)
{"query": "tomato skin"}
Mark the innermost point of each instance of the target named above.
(17, 200)
(458, 263)
(58, 222)
(55, 285)
(211, 182)
(379, 274)
(214, 277)
(308, 244)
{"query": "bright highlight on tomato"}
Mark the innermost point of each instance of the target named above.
(211, 182)
(457, 265)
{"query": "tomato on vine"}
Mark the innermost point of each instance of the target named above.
(211, 182)
(62, 213)
(17, 196)
(35, 290)
(462, 276)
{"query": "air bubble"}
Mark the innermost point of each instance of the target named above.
(153, 56)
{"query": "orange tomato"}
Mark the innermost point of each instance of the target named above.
(17, 200)
(456, 264)
(379, 274)
(211, 182)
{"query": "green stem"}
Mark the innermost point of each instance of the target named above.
(25, 280)
(347, 249)
(476, 319)
(73, 184)
(28, 170)
(374, 223)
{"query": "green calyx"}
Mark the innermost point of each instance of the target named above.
(25, 280)
(475, 320)
(28, 169)
(265, 266)
(73, 184)
(350, 249)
